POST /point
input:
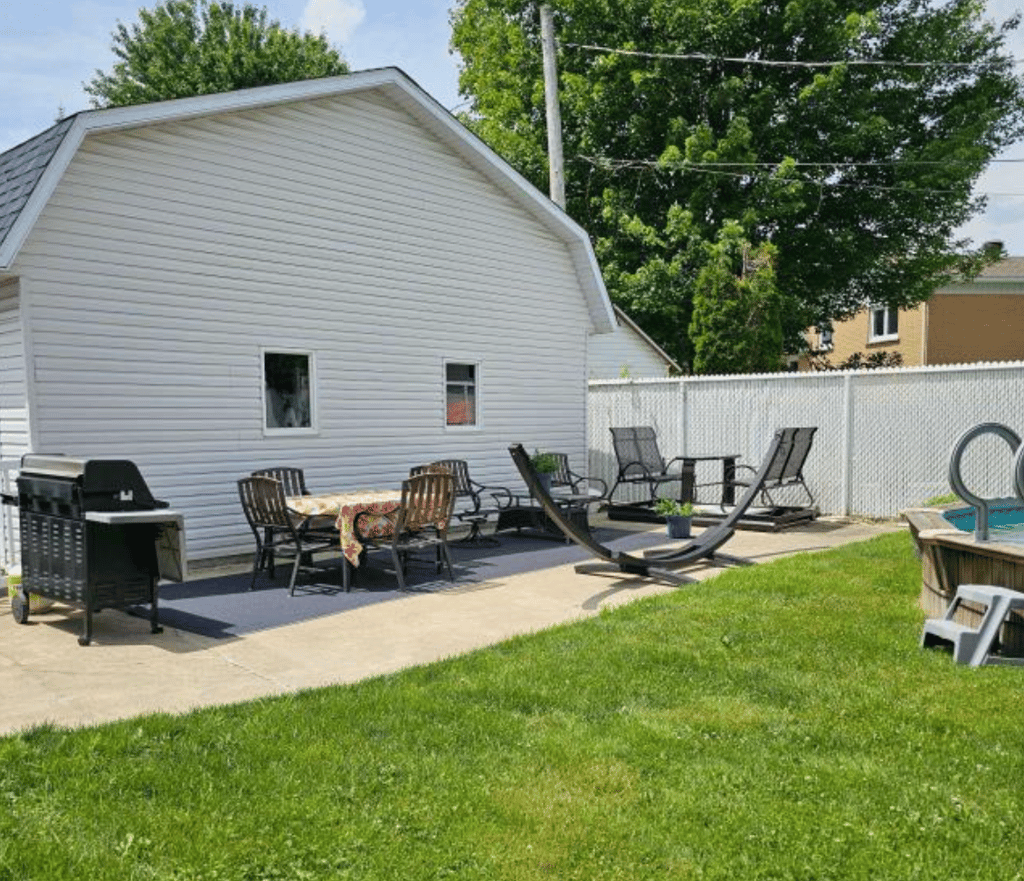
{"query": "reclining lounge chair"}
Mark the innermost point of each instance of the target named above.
(641, 464)
(660, 565)
(785, 471)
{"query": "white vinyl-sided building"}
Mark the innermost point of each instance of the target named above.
(628, 353)
(332, 274)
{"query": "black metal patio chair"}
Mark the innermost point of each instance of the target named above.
(277, 529)
(420, 523)
(469, 500)
(293, 480)
(578, 484)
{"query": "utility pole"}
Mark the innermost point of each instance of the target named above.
(556, 173)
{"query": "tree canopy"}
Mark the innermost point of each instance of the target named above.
(848, 134)
(182, 48)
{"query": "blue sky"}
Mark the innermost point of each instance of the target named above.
(48, 48)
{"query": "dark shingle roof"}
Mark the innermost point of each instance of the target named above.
(21, 168)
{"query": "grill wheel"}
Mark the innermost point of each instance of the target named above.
(19, 608)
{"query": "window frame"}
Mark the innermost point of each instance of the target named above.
(890, 321)
(477, 424)
(289, 431)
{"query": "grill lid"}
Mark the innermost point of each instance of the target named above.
(52, 465)
(106, 484)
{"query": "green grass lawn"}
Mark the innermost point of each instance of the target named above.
(777, 722)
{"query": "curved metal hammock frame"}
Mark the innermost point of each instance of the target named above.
(659, 565)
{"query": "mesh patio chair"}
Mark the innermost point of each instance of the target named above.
(420, 523)
(642, 464)
(277, 529)
(785, 470)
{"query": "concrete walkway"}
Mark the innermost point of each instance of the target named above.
(127, 671)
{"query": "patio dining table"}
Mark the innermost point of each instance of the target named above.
(377, 504)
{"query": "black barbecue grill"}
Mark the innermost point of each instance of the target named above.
(93, 536)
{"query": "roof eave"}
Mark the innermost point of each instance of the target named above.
(668, 359)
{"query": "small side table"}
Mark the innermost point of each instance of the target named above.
(728, 474)
(524, 512)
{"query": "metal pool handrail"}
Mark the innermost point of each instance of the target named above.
(980, 505)
(1018, 473)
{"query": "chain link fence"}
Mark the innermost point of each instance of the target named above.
(884, 436)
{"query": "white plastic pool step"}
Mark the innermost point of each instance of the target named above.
(973, 645)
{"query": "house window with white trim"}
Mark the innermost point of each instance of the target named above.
(884, 324)
(825, 340)
(460, 394)
(288, 392)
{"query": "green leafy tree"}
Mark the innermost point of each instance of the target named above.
(858, 174)
(736, 326)
(182, 48)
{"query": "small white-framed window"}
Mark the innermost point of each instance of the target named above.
(289, 392)
(824, 340)
(884, 324)
(461, 394)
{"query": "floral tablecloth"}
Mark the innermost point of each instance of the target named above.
(345, 507)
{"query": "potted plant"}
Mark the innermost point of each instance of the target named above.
(678, 516)
(544, 465)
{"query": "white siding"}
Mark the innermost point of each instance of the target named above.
(13, 413)
(623, 354)
(169, 255)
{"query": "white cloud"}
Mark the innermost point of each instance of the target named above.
(337, 18)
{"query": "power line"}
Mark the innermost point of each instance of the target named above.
(886, 163)
(764, 62)
(710, 168)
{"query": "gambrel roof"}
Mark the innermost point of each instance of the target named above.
(20, 170)
(30, 172)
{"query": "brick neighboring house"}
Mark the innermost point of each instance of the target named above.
(962, 322)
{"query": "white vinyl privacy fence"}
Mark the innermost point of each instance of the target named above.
(884, 436)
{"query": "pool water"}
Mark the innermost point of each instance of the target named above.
(1005, 520)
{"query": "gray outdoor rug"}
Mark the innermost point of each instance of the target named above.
(224, 607)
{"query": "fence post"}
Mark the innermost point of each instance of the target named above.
(847, 466)
(684, 443)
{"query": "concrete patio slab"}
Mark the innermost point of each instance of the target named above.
(127, 671)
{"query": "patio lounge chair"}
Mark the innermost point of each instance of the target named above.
(660, 565)
(578, 484)
(784, 471)
(642, 464)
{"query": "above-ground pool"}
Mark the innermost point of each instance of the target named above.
(1005, 519)
(951, 555)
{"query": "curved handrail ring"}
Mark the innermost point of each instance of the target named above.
(956, 481)
(1018, 473)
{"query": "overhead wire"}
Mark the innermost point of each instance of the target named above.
(714, 168)
(765, 62)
